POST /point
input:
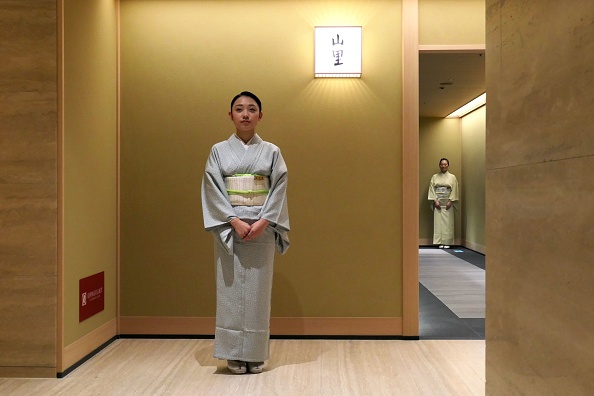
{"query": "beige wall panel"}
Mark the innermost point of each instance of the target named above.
(90, 158)
(540, 315)
(539, 106)
(182, 63)
(438, 138)
(451, 22)
(539, 152)
(28, 325)
(473, 129)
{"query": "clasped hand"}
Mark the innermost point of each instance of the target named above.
(249, 232)
(438, 205)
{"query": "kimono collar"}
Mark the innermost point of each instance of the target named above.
(254, 140)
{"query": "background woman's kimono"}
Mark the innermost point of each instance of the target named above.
(244, 269)
(443, 187)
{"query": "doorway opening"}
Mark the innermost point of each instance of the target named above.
(452, 281)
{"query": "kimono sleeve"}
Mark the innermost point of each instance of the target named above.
(432, 196)
(216, 207)
(275, 209)
(454, 185)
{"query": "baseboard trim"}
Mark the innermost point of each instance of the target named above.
(159, 325)
(80, 350)
(476, 247)
(359, 326)
(465, 244)
(279, 326)
(27, 372)
(429, 242)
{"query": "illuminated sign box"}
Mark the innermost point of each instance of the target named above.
(337, 51)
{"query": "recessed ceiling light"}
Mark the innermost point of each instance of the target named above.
(470, 106)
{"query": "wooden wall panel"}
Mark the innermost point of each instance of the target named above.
(28, 187)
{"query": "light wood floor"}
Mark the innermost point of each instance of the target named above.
(297, 367)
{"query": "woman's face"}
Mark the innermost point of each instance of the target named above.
(245, 114)
(443, 166)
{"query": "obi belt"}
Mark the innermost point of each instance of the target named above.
(247, 189)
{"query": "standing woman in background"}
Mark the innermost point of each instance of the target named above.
(443, 192)
(244, 204)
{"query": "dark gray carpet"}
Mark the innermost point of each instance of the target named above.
(437, 321)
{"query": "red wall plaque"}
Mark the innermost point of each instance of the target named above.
(90, 297)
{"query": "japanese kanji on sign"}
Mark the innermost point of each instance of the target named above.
(338, 51)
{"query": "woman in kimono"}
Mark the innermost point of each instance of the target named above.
(443, 192)
(244, 204)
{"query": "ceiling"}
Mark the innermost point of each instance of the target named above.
(449, 80)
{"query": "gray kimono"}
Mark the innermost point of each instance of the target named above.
(244, 269)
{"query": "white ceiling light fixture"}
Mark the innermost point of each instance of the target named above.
(470, 106)
(337, 51)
